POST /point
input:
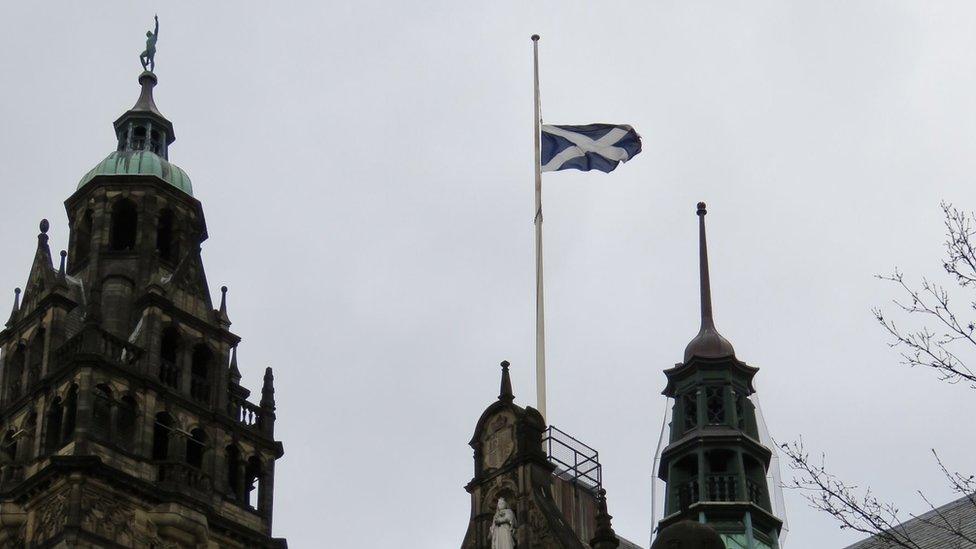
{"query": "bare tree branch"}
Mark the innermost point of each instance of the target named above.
(939, 345)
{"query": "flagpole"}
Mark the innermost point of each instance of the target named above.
(540, 319)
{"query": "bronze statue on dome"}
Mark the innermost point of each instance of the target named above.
(148, 57)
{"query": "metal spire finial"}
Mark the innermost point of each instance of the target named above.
(708, 343)
(706, 288)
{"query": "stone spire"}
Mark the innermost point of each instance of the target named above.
(267, 390)
(505, 392)
(222, 311)
(708, 343)
(235, 372)
(604, 537)
(16, 308)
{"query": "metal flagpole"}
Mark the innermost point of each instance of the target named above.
(540, 319)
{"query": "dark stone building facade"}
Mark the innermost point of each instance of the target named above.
(123, 422)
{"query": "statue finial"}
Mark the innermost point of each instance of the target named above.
(148, 57)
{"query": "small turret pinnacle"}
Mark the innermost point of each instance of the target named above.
(267, 390)
(604, 537)
(235, 372)
(222, 311)
(42, 238)
(505, 392)
(61, 268)
(16, 307)
(708, 343)
(223, 300)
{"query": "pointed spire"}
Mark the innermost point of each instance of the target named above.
(43, 254)
(267, 390)
(16, 308)
(706, 284)
(235, 372)
(604, 537)
(505, 392)
(708, 343)
(222, 311)
(223, 300)
(42, 237)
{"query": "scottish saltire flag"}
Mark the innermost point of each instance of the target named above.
(591, 147)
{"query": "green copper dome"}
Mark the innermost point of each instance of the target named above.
(140, 162)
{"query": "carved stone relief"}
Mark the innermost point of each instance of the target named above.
(108, 518)
(499, 442)
(50, 518)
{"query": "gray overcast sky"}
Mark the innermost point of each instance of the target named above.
(366, 171)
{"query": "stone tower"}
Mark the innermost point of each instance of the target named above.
(552, 511)
(715, 465)
(122, 419)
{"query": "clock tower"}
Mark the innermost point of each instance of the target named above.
(123, 421)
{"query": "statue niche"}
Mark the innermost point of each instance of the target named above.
(503, 525)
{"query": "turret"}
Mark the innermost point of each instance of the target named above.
(715, 464)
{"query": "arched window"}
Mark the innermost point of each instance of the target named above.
(124, 225)
(162, 431)
(195, 446)
(234, 471)
(36, 358)
(29, 429)
(721, 482)
(683, 483)
(139, 138)
(70, 414)
(165, 244)
(252, 485)
(83, 237)
(102, 412)
(169, 347)
(15, 374)
(200, 373)
(8, 448)
(155, 142)
(756, 482)
(126, 427)
(117, 305)
(53, 421)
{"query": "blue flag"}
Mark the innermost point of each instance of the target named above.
(591, 147)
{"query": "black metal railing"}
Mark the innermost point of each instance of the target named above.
(574, 460)
(720, 487)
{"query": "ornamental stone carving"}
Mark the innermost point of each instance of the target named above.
(50, 518)
(108, 518)
(499, 442)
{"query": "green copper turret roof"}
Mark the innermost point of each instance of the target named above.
(140, 162)
(144, 136)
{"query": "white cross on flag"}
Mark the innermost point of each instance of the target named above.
(591, 147)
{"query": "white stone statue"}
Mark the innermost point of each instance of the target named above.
(503, 527)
